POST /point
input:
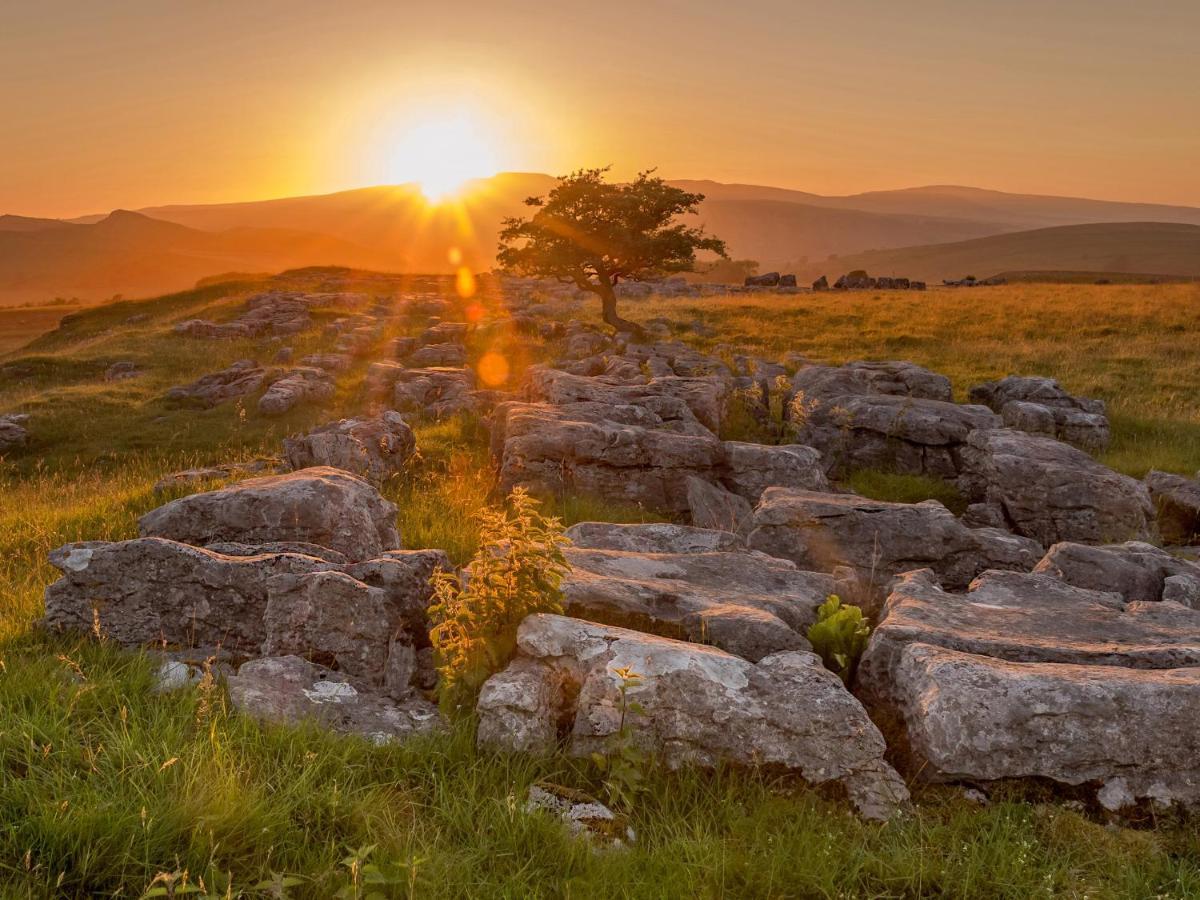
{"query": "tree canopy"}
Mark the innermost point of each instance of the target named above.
(595, 233)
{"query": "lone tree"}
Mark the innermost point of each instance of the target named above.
(594, 234)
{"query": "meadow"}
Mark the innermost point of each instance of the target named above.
(110, 789)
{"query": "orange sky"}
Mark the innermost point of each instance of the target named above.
(128, 104)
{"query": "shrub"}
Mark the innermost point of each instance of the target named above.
(516, 572)
(839, 636)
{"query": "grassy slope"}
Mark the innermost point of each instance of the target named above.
(104, 785)
(1135, 247)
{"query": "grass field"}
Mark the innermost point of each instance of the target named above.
(106, 786)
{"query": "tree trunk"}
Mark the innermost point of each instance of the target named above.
(608, 300)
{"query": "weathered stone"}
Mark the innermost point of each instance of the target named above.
(553, 449)
(704, 395)
(653, 537)
(1134, 570)
(583, 816)
(289, 689)
(769, 279)
(700, 706)
(1052, 492)
(1041, 406)
(714, 507)
(193, 477)
(744, 602)
(878, 539)
(304, 384)
(1177, 502)
(331, 362)
(1025, 676)
(320, 505)
(334, 619)
(151, 590)
(1132, 732)
(438, 355)
(749, 469)
(13, 432)
(434, 392)
(375, 448)
(241, 378)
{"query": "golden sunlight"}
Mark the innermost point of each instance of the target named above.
(443, 153)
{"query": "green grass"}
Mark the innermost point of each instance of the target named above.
(106, 785)
(899, 488)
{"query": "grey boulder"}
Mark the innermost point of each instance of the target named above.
(320, 505)
(701, 706)
(375, 448)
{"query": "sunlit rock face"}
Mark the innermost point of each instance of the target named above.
(700, 706)
(1025, 676)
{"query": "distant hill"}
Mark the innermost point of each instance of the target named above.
(996, 209)
(394, 228)
(1144, 248)
(130, 253)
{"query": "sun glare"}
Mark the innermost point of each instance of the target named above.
(441, 154)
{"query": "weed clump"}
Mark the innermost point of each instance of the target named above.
(839, 636)
(517, 571)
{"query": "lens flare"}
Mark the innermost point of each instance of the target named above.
(493, 369)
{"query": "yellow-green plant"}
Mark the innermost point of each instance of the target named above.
(517, 571)
(623, 763)
(839, 636)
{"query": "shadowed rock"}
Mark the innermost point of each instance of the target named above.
(1050, 491)
(1177, 502)
(878, 539)
(374, 448)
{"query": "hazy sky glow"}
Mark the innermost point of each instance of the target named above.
(137, 103)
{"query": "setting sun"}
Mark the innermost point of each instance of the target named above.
(441, 154)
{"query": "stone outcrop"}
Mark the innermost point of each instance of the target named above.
(241, 378)
(878, 540)
(13, 431)
(744, 602)
(887, 415)
(711, 506)
(701, 706)
(1177, 503)
(1134, 570)
(652, 537)
(289, 689)
(1047, 490)
(275, 312)
(321, 506)
(375, 448)
(1041, 406)
(151, 590)
(303, 384)
(1027, 677)
(434, 392)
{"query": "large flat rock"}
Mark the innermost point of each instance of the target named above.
(820, 531)
(746, 603)
(701, 706)
(1025, 676)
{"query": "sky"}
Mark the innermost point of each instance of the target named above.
(128, 103)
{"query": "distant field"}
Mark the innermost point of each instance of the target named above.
(1135, 346)
(20, 326)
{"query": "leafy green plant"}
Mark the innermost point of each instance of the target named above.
(516, 572)
(839, 636)
(624, 763)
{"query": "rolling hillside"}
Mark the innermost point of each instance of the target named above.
(393, 228)
(130, 253)
(1152, 248)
